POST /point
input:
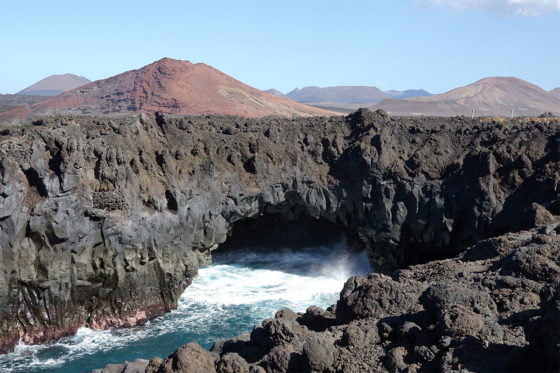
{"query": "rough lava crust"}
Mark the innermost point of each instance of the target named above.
(105, 221)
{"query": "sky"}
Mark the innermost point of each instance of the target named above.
(435, 45)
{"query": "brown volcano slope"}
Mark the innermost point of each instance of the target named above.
(170, 86)
(489, 96)
(555, 92)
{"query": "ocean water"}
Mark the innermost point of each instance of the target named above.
(229, 297)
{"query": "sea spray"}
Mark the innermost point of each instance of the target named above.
(229, 297)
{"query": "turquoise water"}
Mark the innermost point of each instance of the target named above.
(228, 298)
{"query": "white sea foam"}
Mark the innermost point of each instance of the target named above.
(228, 285)
(251, 287)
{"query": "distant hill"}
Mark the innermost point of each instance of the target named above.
(555, 92)
(10, 102)
(54, 85)
(169, 86)
(408, 93)
(341, 94)
(275, 92)
(488, 96)
(348, 98)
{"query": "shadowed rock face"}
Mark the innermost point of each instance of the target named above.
(104, 222)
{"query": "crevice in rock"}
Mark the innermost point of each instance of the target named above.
(35, 181)
(172, 204)
(97, 168)
(160, 120)
(160, 160)
(55, 163)
(250, 166)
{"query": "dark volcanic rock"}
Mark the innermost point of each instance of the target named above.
(461, 315)
(232, 363)
(137, 366)
(376, 295)
(188, 358)
(105, 221)
(543, 333)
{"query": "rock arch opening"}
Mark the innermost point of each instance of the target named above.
(276, 231)
(295, 243)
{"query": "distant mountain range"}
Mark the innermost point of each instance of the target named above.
(488, 96)
(168, 86)
(55, 85)
(346, 98)
(180, 87)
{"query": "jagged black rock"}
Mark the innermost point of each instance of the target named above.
(105, 221)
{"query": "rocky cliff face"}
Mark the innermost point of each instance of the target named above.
(104, 222)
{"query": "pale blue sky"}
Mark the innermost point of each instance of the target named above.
(395, 44)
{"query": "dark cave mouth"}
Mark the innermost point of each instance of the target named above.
(274, 232)
(293, 230)
(301, 245)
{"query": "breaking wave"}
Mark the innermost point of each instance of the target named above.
(229, 297)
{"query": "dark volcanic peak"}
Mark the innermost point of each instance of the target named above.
(54, 85)
(172, 86)
(488, 96)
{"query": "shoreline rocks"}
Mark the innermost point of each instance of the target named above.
(473, 313)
